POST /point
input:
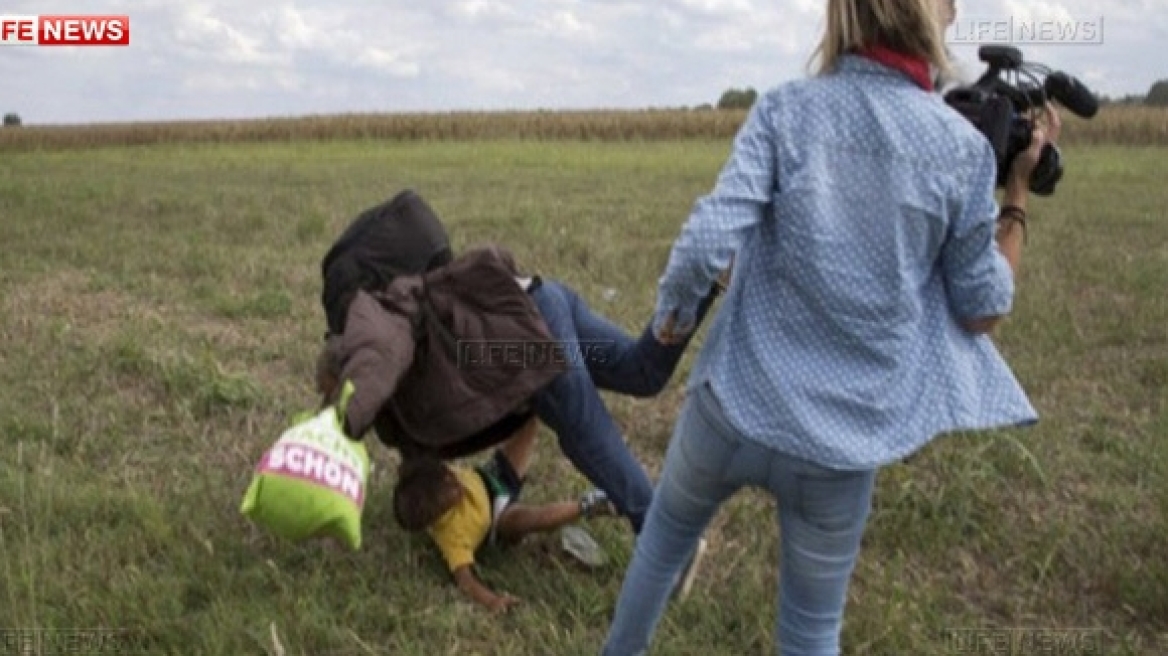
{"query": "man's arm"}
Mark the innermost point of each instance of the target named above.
(379, 348)
(472, 587)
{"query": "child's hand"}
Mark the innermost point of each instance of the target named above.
(502, 603)
(471, 585)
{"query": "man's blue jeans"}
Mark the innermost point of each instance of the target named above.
(822, 514)
(571, 405)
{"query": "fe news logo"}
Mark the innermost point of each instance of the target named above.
(64, 30)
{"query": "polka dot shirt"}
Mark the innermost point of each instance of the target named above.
(860, 213)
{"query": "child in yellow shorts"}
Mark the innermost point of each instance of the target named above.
(463, 509)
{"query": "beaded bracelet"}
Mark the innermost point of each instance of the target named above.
(1015, 214)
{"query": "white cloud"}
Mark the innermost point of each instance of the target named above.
(1032, 10)
(215, 83)
(292, 29)
(210, 36)
(482, 9)
(566, 24)
(389, 62)
(727, 39)
(714, 6)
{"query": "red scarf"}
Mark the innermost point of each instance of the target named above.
(916, 68)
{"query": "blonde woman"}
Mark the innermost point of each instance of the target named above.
(871, 259)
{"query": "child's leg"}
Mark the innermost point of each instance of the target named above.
(506, 473)
(521, 520)
(518, 448)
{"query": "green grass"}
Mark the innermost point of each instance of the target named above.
(159, 317)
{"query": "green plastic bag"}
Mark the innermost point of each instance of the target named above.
(311, 482)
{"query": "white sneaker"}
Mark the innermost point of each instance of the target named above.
(595, 503)
(579, 544)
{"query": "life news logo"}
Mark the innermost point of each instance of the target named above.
(64, 30)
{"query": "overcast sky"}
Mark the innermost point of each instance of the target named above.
(255, 58)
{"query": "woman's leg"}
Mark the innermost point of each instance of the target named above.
(822, 515)
(703, 467)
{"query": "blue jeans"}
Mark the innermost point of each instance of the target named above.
(571, 405)
(822, 514)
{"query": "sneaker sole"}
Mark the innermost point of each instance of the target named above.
(691, 573)
(579, 544)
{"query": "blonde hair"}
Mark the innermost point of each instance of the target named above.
(912, 27)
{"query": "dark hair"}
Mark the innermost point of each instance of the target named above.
(418, 496)
(443, 257)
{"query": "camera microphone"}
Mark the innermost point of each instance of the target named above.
(1072, 94)
(1058, 86)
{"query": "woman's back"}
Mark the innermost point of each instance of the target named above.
(870, 170)
(838, 341)
(868, 260)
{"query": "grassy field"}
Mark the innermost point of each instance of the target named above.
(159, 316)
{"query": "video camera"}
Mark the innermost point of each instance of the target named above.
(997, 103)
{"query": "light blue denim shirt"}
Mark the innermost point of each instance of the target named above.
(860, 211)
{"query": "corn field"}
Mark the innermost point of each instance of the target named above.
(1118, 125)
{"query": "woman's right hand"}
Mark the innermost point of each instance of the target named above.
(667, 334)
(723, 281)
(1047, 127)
